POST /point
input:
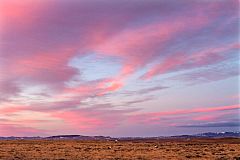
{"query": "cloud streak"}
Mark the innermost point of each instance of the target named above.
(218, 124)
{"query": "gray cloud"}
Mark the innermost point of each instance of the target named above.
(215, 124)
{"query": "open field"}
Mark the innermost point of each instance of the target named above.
(137, 149)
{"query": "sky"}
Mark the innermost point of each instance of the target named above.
(119, 68)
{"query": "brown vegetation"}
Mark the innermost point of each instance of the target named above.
(138, 149)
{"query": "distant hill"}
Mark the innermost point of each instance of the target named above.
(220, 134)
(81, 137)
(211, 135)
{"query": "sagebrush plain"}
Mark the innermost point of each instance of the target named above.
(219, 149)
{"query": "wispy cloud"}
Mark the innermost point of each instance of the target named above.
(216, 124)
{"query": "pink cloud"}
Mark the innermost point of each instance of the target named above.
(156, 116)
(206, 118)
(109, 85)
(19, 130)
(140, 46)
(182, 61)
(21, 13)
(135, 46)
(44, 67)
(12, 109)
(92, 88)
(93, 118)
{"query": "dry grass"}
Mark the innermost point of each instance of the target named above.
(148, 149)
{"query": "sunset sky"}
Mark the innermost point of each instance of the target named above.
(118, 67)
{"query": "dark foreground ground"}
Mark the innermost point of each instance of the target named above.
(138, 149)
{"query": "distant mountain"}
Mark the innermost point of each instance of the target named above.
(218, 134)
(81, 137)
(211, 135)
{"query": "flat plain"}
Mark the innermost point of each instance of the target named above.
(219, 149)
